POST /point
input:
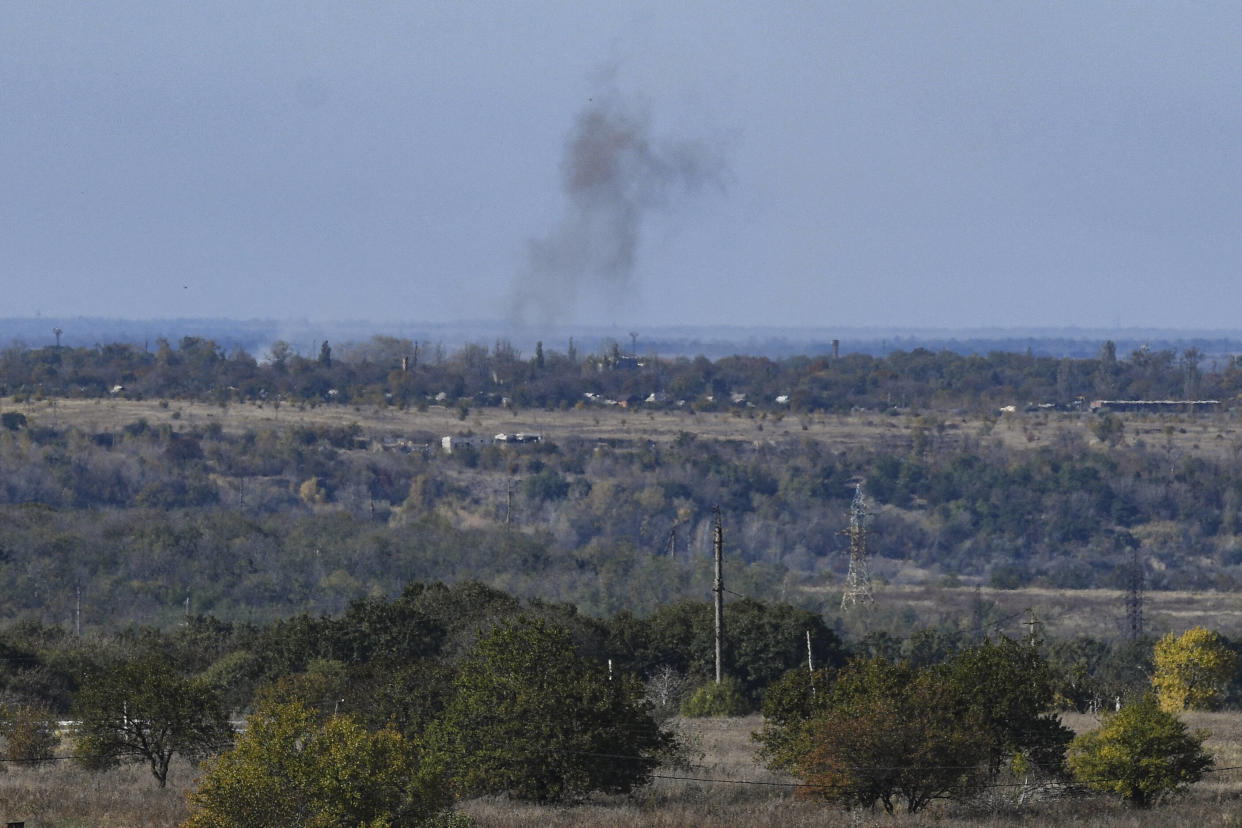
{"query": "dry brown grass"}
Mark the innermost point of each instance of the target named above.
(726, 755)
(1062, 613)
(1216, 436)
(66, 796)
(722, 760)
(595, 421)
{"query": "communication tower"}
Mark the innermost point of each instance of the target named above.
(858, 580)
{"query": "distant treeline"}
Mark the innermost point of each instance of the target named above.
(712, 341)
(401, 372)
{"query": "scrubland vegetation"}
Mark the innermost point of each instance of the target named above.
(288, 542)
(204, 465)
(63, 794)
(501, 707)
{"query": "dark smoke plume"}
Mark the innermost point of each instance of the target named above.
(615, 176)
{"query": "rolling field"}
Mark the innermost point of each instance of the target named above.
(1216, 435)
(900, 587)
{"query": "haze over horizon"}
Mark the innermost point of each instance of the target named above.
(948, 166)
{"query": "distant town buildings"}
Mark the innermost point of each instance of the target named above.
(453, 442)
(1154, 406)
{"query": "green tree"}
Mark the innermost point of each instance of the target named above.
(407, 698)
(1108, 429)
(321, 687)
(764, 640)
(788, 704)
(546, 485)
(1001, 693)
(294, 766)
(1141, 752)
(1009, 688)
(1192, 670)
(890, 734)
(143, 711)
(532, 719)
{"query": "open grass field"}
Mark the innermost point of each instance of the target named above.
(723, 786)
(594, 422)
(1216, 435)
(742, 793)
(1061, 613)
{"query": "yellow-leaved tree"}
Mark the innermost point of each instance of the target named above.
(1192, 670)
(295, 766)
(1141, 752)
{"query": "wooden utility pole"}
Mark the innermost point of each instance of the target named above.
(810, 662)
(976, 616)
(1134, 597)
(718, 588)
(1032, 626)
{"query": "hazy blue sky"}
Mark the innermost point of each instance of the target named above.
(899, 164)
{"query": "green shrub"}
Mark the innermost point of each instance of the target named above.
(712, 699)
(29, 733)
(293, 766)
(1141, 752)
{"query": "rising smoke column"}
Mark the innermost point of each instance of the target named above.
(615, 176)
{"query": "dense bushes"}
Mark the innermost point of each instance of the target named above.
(532, 719)
(891, 733)
(469, 689)
(293, 767)
(264, 523)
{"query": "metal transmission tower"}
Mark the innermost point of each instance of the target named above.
(1134, 597)
(858, 580)
(670, 542)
